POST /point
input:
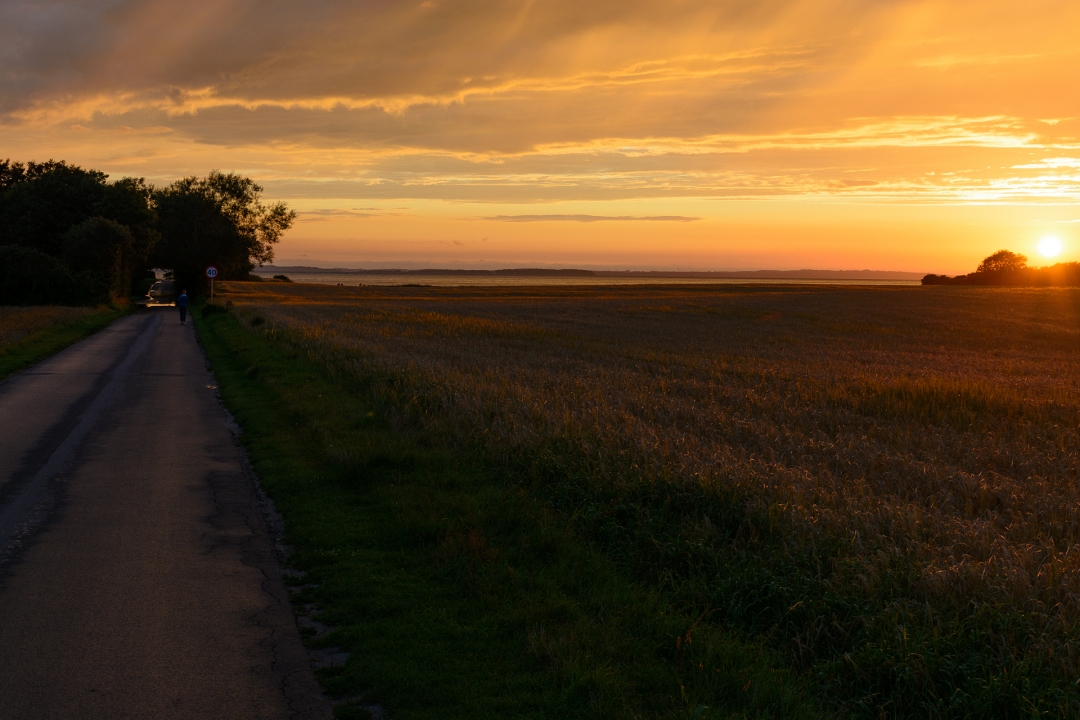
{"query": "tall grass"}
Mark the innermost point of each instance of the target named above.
(17, 323)
(882, 483)
(31, 334)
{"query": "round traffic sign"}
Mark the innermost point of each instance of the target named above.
(211, 272)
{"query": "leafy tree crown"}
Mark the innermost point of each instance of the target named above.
(1003, 261)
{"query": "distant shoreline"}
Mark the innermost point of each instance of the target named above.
(806, 274)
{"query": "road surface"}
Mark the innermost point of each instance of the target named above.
(137, 575)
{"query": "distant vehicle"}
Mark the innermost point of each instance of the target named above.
(162, 292)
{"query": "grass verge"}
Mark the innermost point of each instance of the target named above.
(457, 594)
(53, 338)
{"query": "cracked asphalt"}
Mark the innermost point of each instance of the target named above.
(137, 575)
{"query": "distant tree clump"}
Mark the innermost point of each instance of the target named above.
(1009, 269)
(70, 236)
(1003, 261)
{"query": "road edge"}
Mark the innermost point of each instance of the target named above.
(306, 696)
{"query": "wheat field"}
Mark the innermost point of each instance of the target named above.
(17, 323)
(883, 482)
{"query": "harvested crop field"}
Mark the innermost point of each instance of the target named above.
(880, 485)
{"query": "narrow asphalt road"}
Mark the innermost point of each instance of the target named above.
(137, 575)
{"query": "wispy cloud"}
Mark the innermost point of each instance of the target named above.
(733, 70)
(591, 218)
(1051, 164)
(322, 215)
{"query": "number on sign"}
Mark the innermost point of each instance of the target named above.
(211, 272)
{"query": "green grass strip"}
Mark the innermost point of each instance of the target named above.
(458, 595)
(39, 345)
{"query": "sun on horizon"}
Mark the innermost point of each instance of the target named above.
(1050, 246)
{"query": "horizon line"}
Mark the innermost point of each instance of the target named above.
(903, 274)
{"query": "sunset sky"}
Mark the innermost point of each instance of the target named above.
(915, 135)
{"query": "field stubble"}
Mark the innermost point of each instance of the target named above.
(882, 483)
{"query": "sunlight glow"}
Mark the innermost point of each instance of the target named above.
(1050, 246)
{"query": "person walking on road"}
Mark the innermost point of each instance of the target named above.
(181, 302)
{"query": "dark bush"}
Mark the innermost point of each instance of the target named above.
(30, 277)
(213, 309)
(98, 248)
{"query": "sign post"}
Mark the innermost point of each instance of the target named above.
(211, 272)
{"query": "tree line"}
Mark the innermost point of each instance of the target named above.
(72, 236)
(1008, 269)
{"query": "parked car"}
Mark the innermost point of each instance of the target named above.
(162, 293)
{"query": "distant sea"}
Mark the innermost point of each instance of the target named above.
(353, 279)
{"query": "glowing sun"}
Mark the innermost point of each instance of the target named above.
(1050, 246)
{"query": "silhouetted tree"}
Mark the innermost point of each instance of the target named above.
(217, 220)
(1003, 261)
(13, 173)
(48, 199)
